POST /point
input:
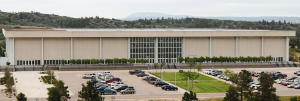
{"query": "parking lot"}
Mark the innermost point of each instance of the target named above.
(74, 80)
(144, 90)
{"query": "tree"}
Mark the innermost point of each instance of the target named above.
(249, 59)
(242, 59)
(229, 59)
(124, 60)
(7, 63)
(214, 59)
(108, 61)
(156, 66)
(21, 97)
(193, 76)
(295, 98)
(145, 61)
(93, 61)
(86, 61)
(180, 59)
(222, 59)
(162, 64)
(261, 58)
(72, 61)
(78, 61)
(231, 94)
(199, 67)
(138, 60)
(101, 61)
(191, 64)
(64, 62)
(228, 72)
(189, 96)
(116, 60)
(187, 59)
(63, 90)
(266, 90)
(255, 59)
(201, 59)
(226, 59)
(9, 81)
(90, 93)
(244, 78)
(130, 60)
(53, 94)
(235, 59)
(207, 59)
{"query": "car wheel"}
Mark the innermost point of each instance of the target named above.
(114, 93)
(122, 93)
(132, 92)
(176, 89)
(167, 89)
(102, 93)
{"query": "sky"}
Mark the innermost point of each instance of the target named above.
(122, 8)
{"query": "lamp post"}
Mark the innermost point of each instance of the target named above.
(175, 78)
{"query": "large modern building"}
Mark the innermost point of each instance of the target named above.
(50, 46)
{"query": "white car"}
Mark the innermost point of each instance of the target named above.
(255, 86)
(206, 72)
(219, 76)
(112, 82)
(297, 80)
(292, 85)
(112, 86)
(104, 73)
(279, 80)
(89, 75)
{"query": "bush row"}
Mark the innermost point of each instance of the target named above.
(97, 61)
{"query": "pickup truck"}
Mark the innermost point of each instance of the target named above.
(112, 79)
(153, 81)
(107, 91)
(136, 71)
(128, 90)
(170, 87)
(88, 75)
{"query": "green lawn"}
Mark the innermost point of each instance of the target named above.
(203, 84)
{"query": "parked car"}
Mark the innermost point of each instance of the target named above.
(296, 72)
(163, 87)
(122, 88)
(287, 82)
(252, 73)
(116, 85)
(257, 74)
(107, 91)
(102, 88)
(170, 87)
(112, 79)
(292, 78)
(145, 77)
(221, 75)
(255, 86)
(206, 72)
(160, 83)
(211, 72)
(292, 85)
(135, 71)
(153, 81)
(297, 86)
(141, 74)
(88, 75)
(216, 73)
(104, 73)
(279, 81)
(150, 80)
(108, 77)
(128, 90)
(251, 84)
(277, 76)
(100, 85)
(102, 76)
(95, 81)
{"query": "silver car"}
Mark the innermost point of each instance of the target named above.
(128, 90)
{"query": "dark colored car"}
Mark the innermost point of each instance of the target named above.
(123, 88)
(170, 87)
(102, 88)
(151, 79)
(112, 79)
(160, 83)
(216, 73)
(100, 85)
(136, 71)
(141, 74)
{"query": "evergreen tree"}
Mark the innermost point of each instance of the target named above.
(189, 96)
(63, 90)
(21, 97)
(266, 90)
(231, 94)
(53, 94)
(90, 93)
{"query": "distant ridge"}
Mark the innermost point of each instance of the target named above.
(154, 15)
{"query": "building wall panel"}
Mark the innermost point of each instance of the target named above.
(274, 47)
(114, 48)
(249, 47)
(223, 47)
(86, 48)
(196, 47)
(27, 49)
(57, 48)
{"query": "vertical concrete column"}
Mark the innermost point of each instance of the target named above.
(71, 48)
(210, 47)
(183, 47)
(156, 50)
(13, 51)
(287, 49)
(236, 47)
(262, 46)
(42, 48)
(128, 48)
(100, 48)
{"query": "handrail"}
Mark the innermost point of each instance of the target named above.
(289, 64)
(294, 64)
(277, 64)
(282, 64)
(168, 66)
(175, 66)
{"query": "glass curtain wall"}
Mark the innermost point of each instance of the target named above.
(169, 48)
(142, 48)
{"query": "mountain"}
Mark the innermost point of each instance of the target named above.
(152, 15)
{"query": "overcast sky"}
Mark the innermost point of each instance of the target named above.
(122, 8)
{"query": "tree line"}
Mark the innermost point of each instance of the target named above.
(102, 61)
(222, 59)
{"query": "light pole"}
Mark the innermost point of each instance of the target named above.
(188, 83)
(175, 78)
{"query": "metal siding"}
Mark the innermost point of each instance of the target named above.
(86, 48)
(249, 47)
(274, 47)
(196, 47)
(27, 49)
(114, 48)
(57, 48)
(223, 47)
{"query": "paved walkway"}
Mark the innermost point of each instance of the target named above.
(30, 85)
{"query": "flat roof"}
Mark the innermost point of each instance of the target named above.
(144, 32)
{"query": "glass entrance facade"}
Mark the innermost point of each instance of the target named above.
(142, 48)
(169, 48)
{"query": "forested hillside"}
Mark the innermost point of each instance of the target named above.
(36, 19)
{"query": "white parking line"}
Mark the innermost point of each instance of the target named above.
(171, 93)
